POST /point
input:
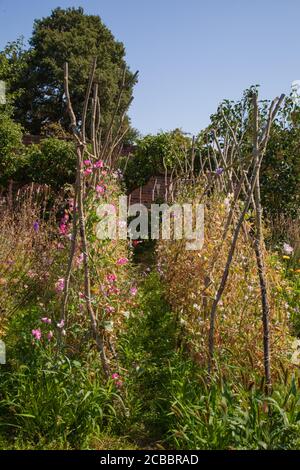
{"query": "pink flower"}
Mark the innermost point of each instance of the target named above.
(60, 285)
(60, 246)
(110, 309)
(99, 164)
(122, 261)
(81, 295)
(133, 291)
(118, 382)
(87, 162)
(50, 335)
(65, 218)
(79, 259)
(111, 277)
(87, 171)
(113, 290)
(100, 189)
(37, 334)
(61, 324)
(46, 320)
(63, 229)
(104, 173)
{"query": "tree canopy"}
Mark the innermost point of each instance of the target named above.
(35, 76)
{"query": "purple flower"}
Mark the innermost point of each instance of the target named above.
(219, 171)
(36, 226)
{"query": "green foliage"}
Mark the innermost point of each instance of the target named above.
(68, 35)
(280, 174)
(58, 397)
(11, 148)
(152, 155)
(169, 398)
(52, 162)
(221, 416)
(147, 347)
(12, 65)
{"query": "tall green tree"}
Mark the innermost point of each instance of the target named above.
(11, 147)
(68, 35)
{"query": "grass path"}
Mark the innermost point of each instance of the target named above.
(149, 346)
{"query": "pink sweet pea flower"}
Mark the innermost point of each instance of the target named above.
(65, 218)
(50, 335)
(99, 164)
(87, 162)
(61, 324)
(111, 277)
(133, 291)
(37, 334)
(118, 382)
(122, 261)
(46, 320)
(87, 172)
(60, 285)
(100, 189)
(110, 309)
(63, 229)
(79, 259)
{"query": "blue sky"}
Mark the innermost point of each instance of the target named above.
(190, 53)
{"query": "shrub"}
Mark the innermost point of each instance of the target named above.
(11, 148)
(52, 162)
(152, 154)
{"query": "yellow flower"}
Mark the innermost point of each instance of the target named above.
(286, 257)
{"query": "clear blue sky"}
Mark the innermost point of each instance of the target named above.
(190, 53)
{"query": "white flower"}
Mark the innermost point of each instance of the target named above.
(295, 359)
(109, 325)
(288, 249)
